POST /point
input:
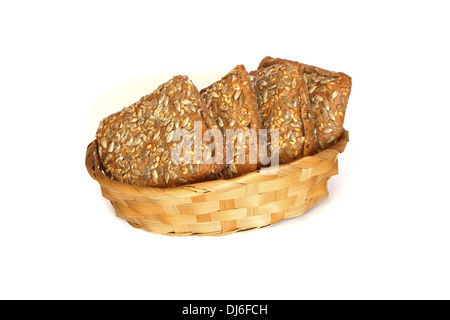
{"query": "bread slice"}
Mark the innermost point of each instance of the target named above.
(231, 102)
(284, 105)
(328, 92)
(136, 145)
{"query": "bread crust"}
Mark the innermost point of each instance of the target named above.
(329, 92)
(135, 145)
(231, 102)
(284, 105)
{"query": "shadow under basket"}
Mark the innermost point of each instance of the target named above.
(221, 207)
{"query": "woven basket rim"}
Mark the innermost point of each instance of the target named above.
(94, 168)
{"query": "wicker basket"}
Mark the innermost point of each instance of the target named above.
(222, 207)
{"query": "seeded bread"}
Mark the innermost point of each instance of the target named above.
(284, 104)
(136, 144)
(328, 92)
(231, 101)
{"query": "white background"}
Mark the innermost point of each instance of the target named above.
(382, 234)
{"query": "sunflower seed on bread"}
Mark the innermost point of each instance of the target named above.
(135, 145)
(328, 92)
(284, 105)
(231, 101)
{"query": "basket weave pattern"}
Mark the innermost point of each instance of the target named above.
(222, 207)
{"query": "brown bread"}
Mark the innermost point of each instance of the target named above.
(136, 144)
(231, 101)
(328, 92)
(284, 105)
